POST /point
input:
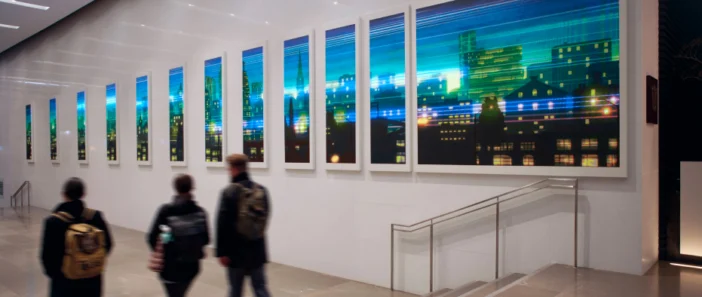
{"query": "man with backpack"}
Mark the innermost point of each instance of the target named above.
(75, 245)
(242, 219)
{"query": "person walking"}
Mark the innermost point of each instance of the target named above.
(75, 245)
(179, 235)
(242, 218)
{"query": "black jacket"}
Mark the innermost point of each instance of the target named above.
(52, 252)
(172, 270)
(243, 253)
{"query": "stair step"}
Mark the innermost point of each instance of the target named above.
(437, 293)
(464, 289)
(495, 285)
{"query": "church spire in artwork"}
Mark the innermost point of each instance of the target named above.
(300, 74)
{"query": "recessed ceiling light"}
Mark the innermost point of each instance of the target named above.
(143, 25)
(267, 23)
(231, 14)
(9, 26)
(191, 5)
(25, 4)
(336, 2)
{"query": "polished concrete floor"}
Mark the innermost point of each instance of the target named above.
(21, 275)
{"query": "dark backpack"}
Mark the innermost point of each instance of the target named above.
(252, 218)
(189, 234)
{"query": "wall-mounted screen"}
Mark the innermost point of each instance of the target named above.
(253, 90)
(214, 111)
(53, 132)
(176, 114)
(112, 125)
(297, 107)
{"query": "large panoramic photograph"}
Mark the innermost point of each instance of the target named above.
(296, 63)
(340, 86)
(518, 83)
(176, 115)
(214, 111)
(253, 103)
(387, 111)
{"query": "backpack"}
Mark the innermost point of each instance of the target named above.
(189, 233)
(85, 253)
(252, 218)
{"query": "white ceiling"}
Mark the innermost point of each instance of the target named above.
(30, 20)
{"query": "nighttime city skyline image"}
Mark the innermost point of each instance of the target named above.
(213, 111)
(387, 90)
(296, 76)
(340, 86)
(176, 116)
(252, 96)
(53, 136)
(29, 149)
(81, 123)
(111, 121)
(518, 83)
(142, 118)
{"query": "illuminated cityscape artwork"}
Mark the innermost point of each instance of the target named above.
(213, 110)
(387, 90)
(29, 149)
(340, 85)
(111, 120)
(252, 95)
(176, 115)
(296, 71)
(518, 83)
(81, 124)
(53, 136)
(142, 118)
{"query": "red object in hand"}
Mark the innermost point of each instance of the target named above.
(156, 261)
(224, 261)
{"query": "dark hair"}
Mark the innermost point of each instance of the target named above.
(183, 184)
(74, 189)
(238, 161)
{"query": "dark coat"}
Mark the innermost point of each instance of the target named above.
(172, 270)
(242, 252)
(52, 252)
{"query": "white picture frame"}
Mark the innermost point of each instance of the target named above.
(87, 142)
(118, 151)
(183, 163)
(570, 171)
(149, 100)
(407, 166)
(321, 91)
(312, 82)
(266, 106)
(225, 130)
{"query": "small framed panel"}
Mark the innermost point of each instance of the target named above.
(215, 94)
(112, 124)
(82, 128)
(143, 119)
(177, 116)
(254, 87)
(53, 131)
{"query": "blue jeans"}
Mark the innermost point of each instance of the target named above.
(258, 281)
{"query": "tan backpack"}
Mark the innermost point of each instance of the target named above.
(85, 254)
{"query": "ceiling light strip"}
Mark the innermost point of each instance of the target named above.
(9, 26)
(25, 4)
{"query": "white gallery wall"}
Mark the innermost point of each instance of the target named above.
(328, 221)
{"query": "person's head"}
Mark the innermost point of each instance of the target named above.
(73, 189)
(183, 184)
(238, 163)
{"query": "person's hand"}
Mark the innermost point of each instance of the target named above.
(224, 261)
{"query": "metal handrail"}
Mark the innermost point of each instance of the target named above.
(496, 203)
(13, 198)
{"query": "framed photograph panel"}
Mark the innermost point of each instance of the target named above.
(520, 87)
(143, 119)
(29, 132)
(53, 131)
(298, 96)
(177, 118)
(215, 111)
(112, 124)
(340, 67)
(82, 127)
(386, 87)
(254, 96)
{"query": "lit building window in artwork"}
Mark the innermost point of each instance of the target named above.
(535, 106)
(604, 74)
(606, 44)
(577, 48)
(502, 160)
(589, 144)
(400, 143)
(570, 61)
(564, 160)
(606, 51)
(570, 72)
(550, 105)
(612, 161)
(564, 144)
(528, 160)
(570, 49)
(613, 144)
(478, 147)
(521, 94)
(590, 160)
(528, 146)
(597, 45)
(562, 85)
(593, 92)
(549, 92)
(520, 106)
(400, 159)
(534, 92)
(560, 50)
(609, 82)
(560, 56)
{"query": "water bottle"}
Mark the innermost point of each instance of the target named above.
(166, 235)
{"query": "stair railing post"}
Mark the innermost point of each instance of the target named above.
(431, 256)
